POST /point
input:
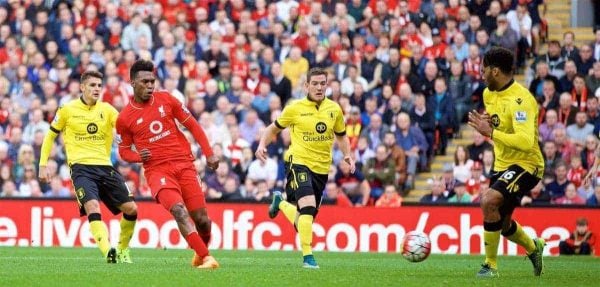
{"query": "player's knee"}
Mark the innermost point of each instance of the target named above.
(92, 206)
(129, 208)
(491, 200)
(179, 212)
(307, 200)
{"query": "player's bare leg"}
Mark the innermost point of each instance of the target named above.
(203, 225)
(307, 211)
(127, 223)
(491, 202)
(188, 230)
(99, 230)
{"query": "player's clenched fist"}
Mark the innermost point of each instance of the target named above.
(43, 174)
(212, 162)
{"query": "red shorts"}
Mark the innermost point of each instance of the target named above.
(176, 182)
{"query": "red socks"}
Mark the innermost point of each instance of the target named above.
(197, 244)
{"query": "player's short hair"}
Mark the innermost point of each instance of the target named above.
(140, 65)
(500, 58)
(90, 74)
(315, 72)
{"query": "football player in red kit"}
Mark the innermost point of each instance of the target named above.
(148, 123)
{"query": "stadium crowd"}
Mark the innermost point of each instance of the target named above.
(404, 72)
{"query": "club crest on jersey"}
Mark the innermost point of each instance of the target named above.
(161, 110)
(521, 116)
(495, 120)
(184, 108)
(303, 177)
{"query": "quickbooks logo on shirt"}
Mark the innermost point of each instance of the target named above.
(316, 138)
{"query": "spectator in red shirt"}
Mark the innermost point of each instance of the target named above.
(576, 172)
(571, 197)
(438, 47)
(333, 192)
(354, 185)
(390, 198)
(581, 241)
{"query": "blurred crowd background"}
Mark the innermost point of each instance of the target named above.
(404, 72)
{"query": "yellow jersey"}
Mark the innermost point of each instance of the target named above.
(87, 132)
(514, 112)
(312, 129)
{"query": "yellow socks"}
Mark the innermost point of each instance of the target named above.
(304, 225)
(491, 240)
(521, 238)
(289, 210)
(127, 228)
(100, 233)
(305, 230)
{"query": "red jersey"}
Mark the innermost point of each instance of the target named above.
(576, 175)
(152, 126)
(435, 51)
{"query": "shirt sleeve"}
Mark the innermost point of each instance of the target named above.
(180, 111)
(124, 137)
(524, 120)
(286, 118)
(113, 114)
(340, 124)
(60, 120)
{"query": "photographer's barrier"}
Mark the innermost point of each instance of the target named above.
(452, 229)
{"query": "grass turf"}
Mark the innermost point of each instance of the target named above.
(84, 267)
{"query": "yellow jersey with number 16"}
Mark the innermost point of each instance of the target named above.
(514, 113)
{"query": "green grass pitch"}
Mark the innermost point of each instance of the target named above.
(84, 267)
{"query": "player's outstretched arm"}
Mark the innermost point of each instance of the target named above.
(200, 136)
(47, 145)
(58, 124)
(344, 145)
(265, 139)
